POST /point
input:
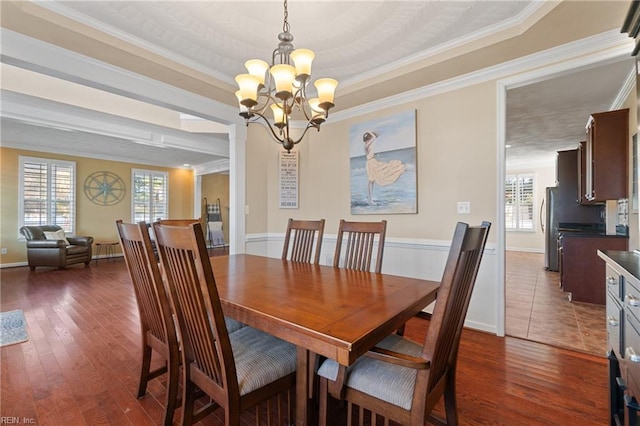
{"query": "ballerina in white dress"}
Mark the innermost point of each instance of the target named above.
(379, 172)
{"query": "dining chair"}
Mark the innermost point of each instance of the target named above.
(399, 379)
(236, 370)
(156, 322)
(300, 238)
(178, 222)
(360, 238)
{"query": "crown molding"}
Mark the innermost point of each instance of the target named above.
(508, 24)
(47, 113)
(609, 45)
(36, 55)
(625, 90)
(532, 10)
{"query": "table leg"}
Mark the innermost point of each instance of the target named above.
(302, 387)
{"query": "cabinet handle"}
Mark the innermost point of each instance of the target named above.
(630, 354)
(611, 280)
(635, 302)
(612, 321)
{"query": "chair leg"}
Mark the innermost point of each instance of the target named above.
(322, 401)
(450, 404)
(188, 400)
(173, 377)
(144, 369)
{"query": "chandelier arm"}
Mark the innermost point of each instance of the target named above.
(268, 97)
(268, 125)
(310, 125)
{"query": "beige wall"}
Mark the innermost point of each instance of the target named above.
(456, 149)
(91, 219)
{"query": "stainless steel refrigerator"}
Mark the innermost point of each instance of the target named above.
(551, 229)
(564, 214)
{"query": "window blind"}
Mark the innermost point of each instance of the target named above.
(47, 193)
(150, 195)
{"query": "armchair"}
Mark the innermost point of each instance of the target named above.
(48, 252)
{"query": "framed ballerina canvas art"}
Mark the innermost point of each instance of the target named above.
(382, 156)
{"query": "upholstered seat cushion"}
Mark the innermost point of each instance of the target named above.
(382, 380)
(76, 250)
(260, 358)
(233, 325)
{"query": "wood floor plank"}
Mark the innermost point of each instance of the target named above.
(81, 363)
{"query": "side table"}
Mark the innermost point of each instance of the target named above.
(109, 248)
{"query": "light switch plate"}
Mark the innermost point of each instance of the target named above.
(464, 207)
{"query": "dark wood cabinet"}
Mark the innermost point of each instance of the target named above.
(581, 273)
(567, 209)
(582, 172)
(622, 286)
(605, 158)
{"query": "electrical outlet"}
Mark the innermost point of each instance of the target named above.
(464, 207)
(4, 250)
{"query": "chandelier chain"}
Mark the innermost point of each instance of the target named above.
(285, 25)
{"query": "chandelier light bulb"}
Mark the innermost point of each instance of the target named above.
(258, 68)
(302, 59)
(248, 89)
(317, 114)
(279, 116)
(283, 75)
(242, 107)
(326, 88)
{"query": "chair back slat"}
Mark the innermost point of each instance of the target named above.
(362, 238)
(303, 240)
(206, 345)
(151, 295)
(445, 328)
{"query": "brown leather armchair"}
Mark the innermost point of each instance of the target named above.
(43, 252)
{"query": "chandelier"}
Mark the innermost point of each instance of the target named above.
(283, 90)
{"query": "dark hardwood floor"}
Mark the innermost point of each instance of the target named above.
(80, 364)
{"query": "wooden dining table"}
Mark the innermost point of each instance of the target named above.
(334, 312)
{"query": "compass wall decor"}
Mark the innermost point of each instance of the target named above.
(104, 188)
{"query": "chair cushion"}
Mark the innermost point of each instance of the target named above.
(233, 325)
(260, 358)
(382, 380)
(56, 235)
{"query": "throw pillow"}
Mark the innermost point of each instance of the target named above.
(56, 235)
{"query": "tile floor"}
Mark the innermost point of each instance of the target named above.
(537, 309)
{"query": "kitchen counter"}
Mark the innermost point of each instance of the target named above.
(563, 234)
(627, 260)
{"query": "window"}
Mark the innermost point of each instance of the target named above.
(519, 202)
(47, 193)
(150, 195)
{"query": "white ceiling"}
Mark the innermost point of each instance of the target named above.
(363, 40)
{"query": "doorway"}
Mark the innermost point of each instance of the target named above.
(535, 307)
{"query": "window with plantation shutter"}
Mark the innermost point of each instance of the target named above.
(150, 195)
(519, 203)
(47, 193)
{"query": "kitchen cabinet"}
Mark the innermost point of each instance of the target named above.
(621, 281)
(605, 158)
(580, 269)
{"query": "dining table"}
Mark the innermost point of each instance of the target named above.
(333, 312)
